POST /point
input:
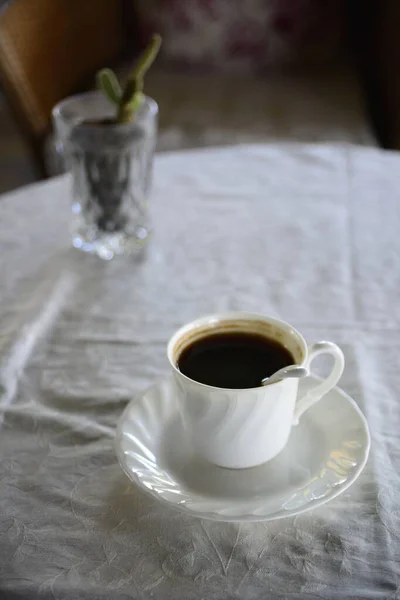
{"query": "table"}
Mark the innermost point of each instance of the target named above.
(305, 232)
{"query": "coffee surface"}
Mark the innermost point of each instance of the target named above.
(233, 360)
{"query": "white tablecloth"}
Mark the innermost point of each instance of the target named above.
(308, 233)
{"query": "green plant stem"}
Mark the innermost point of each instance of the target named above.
(132, 94)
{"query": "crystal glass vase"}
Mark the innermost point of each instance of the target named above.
(111, 167)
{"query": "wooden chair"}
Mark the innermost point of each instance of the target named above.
(50, 49)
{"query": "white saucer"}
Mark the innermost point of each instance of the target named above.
(325, 454)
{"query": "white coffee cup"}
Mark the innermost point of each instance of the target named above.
(238, 428)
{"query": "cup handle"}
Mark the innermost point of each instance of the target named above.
(315, 394)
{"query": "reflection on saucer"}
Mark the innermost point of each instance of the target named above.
(281, 473)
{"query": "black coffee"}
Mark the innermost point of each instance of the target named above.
(233, 360)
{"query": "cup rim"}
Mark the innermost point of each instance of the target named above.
(229, 316)
(58, 114)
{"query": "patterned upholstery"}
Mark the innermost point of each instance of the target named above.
(247, 34)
